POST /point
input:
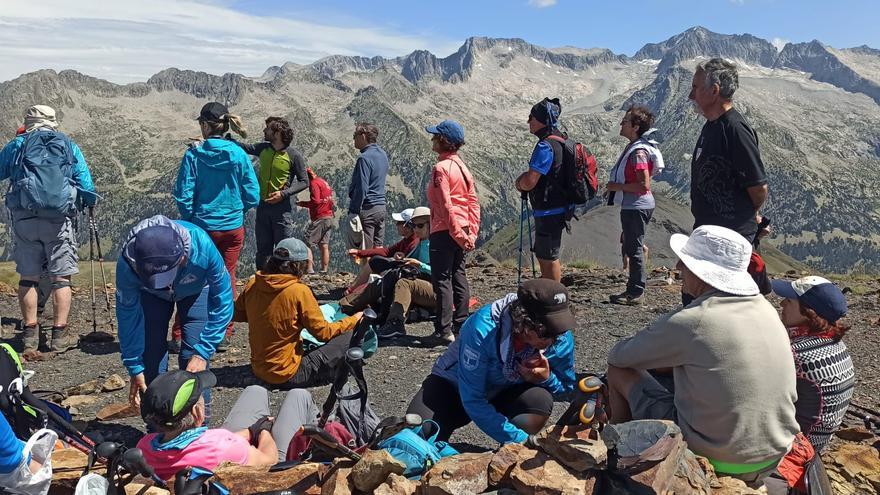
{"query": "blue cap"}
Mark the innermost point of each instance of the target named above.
(157, 252)
(450, 129)
(816, 293)
(291, 249)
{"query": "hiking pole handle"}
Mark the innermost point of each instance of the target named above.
(321, 436)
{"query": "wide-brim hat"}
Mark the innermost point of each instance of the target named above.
(718, 256)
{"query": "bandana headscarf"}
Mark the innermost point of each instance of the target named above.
(39, 116)
(547, 111)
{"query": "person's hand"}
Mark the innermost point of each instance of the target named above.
(274, 198)
(255, 430)
(196, 363)
(412, 261)
(532, 442)
(614, 186)
(468, 245)
(138, 385)
(765, 231)
(535, 369)
(398, 255)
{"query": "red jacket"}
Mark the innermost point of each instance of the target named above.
(405, 246)
(321, 203)
(452, 197)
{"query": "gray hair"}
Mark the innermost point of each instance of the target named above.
(723, 73)
(177, 427)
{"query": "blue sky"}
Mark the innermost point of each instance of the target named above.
(129, 40)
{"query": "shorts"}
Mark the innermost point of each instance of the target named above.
(548, 236)
(318, 231)
(650, 400)
(40, 242)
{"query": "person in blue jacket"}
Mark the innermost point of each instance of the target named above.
(164, 263)
(511, 358)
(216, 185)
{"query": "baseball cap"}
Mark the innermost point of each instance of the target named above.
(404, 216)
(421, 211)
(291, 249)
(450, 129)
(157, 252)
(213, 112)
(172, 395)
(816, 293)
(547, 301)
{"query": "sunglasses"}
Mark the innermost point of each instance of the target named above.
(420, 224)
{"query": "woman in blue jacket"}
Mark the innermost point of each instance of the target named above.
(166, 263)
(512, 357)
(216, 185)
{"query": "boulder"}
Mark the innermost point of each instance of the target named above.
(854, 434)
(504, 460)
(578, 447)
(373, 469)
(542, 475)
(458, 475)
(852, 468)
(397, 485)
(638, 445)
(86, 388)
(258, 479)
(337, 480)
(118, 410)
(112, 383)
(79, 401)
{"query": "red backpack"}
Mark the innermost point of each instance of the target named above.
(579, 172)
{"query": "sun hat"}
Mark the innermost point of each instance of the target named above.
(421, 211)
(718, 256)
(547, 301)
(816, 293)
(403, 216)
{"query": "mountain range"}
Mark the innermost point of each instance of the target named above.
(816, 110)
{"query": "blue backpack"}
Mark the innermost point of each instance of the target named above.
(410, 447)
(42, 176)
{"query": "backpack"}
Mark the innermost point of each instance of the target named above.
(23, 418)
(42, 180)
(418, 453)
(580, 182)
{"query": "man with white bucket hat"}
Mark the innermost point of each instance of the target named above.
(732, 366)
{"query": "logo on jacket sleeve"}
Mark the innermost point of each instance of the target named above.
(188, 279)
(470, 358)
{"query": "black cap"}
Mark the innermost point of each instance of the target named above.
(546, 301)
(157, 252)
(213, 112)
(172, 395)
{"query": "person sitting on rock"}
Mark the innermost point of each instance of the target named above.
(174, 407)
(512, 357)
(733, 372)
(406, 281)
(407, 243)
(277, 306)
(811, 310)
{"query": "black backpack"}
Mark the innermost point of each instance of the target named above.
(580, 181)
(23, 418)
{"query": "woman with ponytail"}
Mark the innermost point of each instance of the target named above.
(216, 185)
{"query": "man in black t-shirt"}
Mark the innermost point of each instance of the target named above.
(728, 184)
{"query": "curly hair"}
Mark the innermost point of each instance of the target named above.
(370, 131)
(819, 325)
(522, 321)
(295, 268)
(278, 124)
(641, 118)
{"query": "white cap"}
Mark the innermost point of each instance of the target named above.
(403, 216)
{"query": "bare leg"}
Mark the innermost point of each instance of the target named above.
(325, 256)
(620, 382)
(27, 300)
(551, 269)
(311, 260)
(61, 303)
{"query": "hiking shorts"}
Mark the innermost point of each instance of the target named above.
(318, 231)
(648, 399)
(548, 236)
(45, 242)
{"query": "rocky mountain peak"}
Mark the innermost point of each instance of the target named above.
(823, 65)
(226, 88)
(700, 42)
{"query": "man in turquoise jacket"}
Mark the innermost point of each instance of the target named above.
(513, 356)
(166, 263)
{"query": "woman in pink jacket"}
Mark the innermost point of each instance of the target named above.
(455, 222)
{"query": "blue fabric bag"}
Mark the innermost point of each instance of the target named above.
(332, 313)
(418, 453)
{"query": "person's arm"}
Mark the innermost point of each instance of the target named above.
(758, 194)
(82, 178)
(745, 157)
(664, 344)
(474, 202)
(185, 185)
(313, 319)
(220, 303)
(297, 180)
(129, 318)
(253, 149)
(249, 184)
(359, 181)
(639, 162)
(7, 157)
(314, 196)
(561, 358)
(240, 308)
(11, 448)
(265, 453)
(539, 165)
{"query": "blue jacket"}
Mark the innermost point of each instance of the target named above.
(204, 268)
(480, 377)
(215, 185)
(81, 176)
(368, 179)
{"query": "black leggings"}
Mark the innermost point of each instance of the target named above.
(318, 367)
(439, 400)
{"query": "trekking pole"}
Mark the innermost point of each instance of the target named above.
(92, 269)
(531, 242)
(522, 212)
(94, 225)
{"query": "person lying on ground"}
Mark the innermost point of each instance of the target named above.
(174, 407)
(277, 306)
(512, 357)
(811, 310)
(731, 362)
(401, 249)
(405, 281)
(24, 466)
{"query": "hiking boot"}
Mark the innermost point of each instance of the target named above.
(392, 328)
(447, 337)
(30, 338)
(173, 346)
(625, 299)
(62, 339)
(223, 346)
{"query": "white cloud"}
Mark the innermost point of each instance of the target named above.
(738, 2)
(130, 40)
(779, 43)
(542, 3)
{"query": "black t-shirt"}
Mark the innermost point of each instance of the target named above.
(725, 164)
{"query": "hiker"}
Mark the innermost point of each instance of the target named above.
(629, 186)
(215, 186)
(44, 236)
(812, 309)
(320, 205)
(734, 376)
(511, 358)
(407, 243)
(25, 466)
(405, 281)
(542, 182)
(174, 407)
(366, 193)
(277, 306)
(165, 264)
(281, 173)
(455, 224)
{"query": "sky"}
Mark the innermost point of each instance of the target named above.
(129, 40)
